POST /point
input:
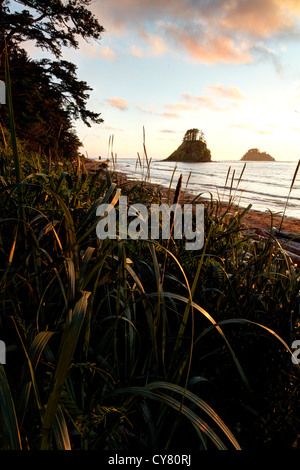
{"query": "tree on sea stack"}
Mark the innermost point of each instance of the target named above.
(192, 149)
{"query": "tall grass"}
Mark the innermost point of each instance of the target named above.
(288, 196)
(144, 163)
(138, 344)
(107, 335)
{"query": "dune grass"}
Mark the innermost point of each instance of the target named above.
(288, 196)
(136, 344)
(121, 343)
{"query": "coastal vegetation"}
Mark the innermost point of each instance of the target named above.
(136, 344)
(128, 344)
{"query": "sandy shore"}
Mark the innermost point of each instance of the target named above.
(260, 223)
(255, 220)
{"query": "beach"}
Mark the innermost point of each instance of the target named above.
(256, 222)
(254, 219)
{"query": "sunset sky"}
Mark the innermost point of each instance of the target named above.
(228, 67)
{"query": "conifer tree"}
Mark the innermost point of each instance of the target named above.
(47, 94)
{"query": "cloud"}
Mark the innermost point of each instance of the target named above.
(118, 103)
(196, 103)
(136, 51)
(152, 110)
(171, 115)
(260, 18)
(221, 91)
(250, 127)
(209, 32)
(179, 107)
(108, 54)
(94, 50)
(110, 128)
(192, 103)
(197, 100)
(210, 47)
(157, 45)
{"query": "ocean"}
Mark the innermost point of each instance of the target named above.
(265, 185)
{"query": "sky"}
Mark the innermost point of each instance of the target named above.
(230, 68)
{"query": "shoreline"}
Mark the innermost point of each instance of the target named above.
(255, 222)
(253, 219)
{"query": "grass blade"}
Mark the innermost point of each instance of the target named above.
(291, 187)
(60, 431)
(67, 348)
(8, 413)
(151, 391)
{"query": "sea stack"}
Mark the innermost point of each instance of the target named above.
(192, 149)
(256, 156)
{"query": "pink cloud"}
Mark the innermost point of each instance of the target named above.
(197, 100)
(157, 45)
(136, 51)
(196, 103)
(110, 128)
(260, 18)
(153, 111)
(118, 103)
(207, 32)
(221, 91)
(171, 115)
(192, 103)
(108, 54)
(211, 48)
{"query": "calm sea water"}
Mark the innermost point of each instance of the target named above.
(265, 185)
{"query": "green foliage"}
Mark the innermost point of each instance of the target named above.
(108, 343)
(137, 345)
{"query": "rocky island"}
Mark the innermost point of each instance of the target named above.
(256, 156)
(192, 149)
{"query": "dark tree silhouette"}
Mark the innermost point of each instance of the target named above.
(51, 24)
(47, 94)
(192, 135)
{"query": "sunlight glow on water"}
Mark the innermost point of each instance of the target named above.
(265, 185)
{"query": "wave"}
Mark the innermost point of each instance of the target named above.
(267, 188)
